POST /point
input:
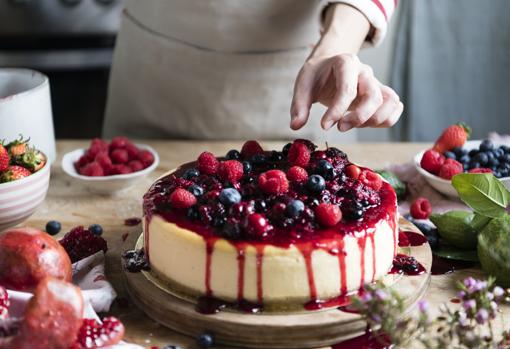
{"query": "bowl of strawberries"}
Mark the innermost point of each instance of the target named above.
(107, 167)
(452, 154)
(24, 181)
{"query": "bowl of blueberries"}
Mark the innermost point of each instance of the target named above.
(476, 156)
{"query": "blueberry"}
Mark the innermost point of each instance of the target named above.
(496, 173)
(96, 229)
(229, 196)
(258, 159)
(171, 347)
(352, 213)
(295, 208)
(465, 166)
(481, 158)
(246, 167)
(450, 155)
(430, 233)
(473, 152)
(464, 159)
(459, 152)
(498, 153)
(276, 156)
(316, 183)
(196, 190)
(233, 154)
(231, 230)
(506, 158)
(505, 148)
(325, 168)
(53, 227)
(493, 162)
(190, 173)
(474, 164)
(205, 340)
(486, 145)
(286, 148)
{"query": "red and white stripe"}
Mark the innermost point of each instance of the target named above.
(20, 199)
(378, 12)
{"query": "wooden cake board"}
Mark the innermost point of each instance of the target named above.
(306, 329)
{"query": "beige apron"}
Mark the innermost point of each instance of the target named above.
(217, 69)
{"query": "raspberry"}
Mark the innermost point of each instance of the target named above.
(80, 243)
(135, 165)
(328, 215)
(92, 169)
(273, 182)
(119, 156)
(352, 171)
(299, 154)
(297, 174)
(450, 168)
(119, 143)
(120, 169)
(103, 159)
(132, 151)
(309, 144)
(82, 161)
(100, 143)
(93, 334)
(370, 179)
(207, 163)
(251, 148)
(257, 224)
(480, 170)
(432, 161)
(4, 304)
(181, 198)
(231, 171)
(145, 157)
(421, 208)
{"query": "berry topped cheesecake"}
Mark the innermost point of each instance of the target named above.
(257, 228)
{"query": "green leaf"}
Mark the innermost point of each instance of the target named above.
(484, 193)
(455, 228)
(494, 249)
(452, 252)
(479, 222)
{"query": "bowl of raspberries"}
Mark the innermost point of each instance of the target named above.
(24, 181)
(452, 154)
(106, 167)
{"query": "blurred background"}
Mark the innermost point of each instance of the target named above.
(437, 55)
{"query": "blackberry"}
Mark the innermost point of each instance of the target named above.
(333, 152)
(276, 156)
(285, 150)
(407, 264)
(192, 213)
(260, 206)
(135, 261)
(259, 160)
(219, 221)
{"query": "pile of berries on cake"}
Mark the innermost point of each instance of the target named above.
(118, 157)
(19, 160)
(254, 194)
(448, 157)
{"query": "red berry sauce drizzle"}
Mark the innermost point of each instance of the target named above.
(133, 221)
(362, 209)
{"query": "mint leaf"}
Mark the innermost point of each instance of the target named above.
(455, 227)
(479, 222)
(484, 193)
(452, 252)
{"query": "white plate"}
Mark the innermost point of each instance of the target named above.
(107, 184)
(445, 186)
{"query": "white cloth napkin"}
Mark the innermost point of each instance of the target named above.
(98, 293)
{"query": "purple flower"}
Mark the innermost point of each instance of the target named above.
(366, 297)
(469, 304)
(376, 318)
(498, 291)
(423, 306)
(380, 295)
(461, 294)
(490, 296)
(469, 282)
(482, 316)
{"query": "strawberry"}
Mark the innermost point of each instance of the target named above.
(18, 147)
(4, 304)
(5, 158)
(450, 168)
(421, 208)
(273, 182)
(328, 215)
(207, 163)
(31, 159)
(93, 334)
(181, 198)
(299, 154)
(452, 137)
(13, 173)
(370, 179)
(231, 171)
(297, 174)
(251, 148)
(432, 161)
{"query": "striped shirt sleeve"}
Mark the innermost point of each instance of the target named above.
(378, 13)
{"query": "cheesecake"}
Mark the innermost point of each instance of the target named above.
(270, 229)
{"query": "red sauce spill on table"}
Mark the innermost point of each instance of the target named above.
(131, 222)
(410, 238)
(366, 341)
(455, 300)
(441, 266)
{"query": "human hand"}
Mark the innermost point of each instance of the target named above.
(354, 97)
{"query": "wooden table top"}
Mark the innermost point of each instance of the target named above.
(74, 206)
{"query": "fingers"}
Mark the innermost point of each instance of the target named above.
(389, 112)
(369, 100)
(345, 71)
(302, 100)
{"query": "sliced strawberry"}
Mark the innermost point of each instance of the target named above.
(93, 334)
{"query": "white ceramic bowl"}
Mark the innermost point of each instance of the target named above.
(445, 186)
(19, 199)
(106, 184)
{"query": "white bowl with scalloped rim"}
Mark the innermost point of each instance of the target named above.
(445, 186)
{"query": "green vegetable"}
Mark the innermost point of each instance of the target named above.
(399, 186)
(452, 252)
(494, 249)
(455, 228)
(484, 193)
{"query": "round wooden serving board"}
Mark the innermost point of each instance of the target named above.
(309, 329)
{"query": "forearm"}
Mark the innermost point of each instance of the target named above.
(344, 31)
